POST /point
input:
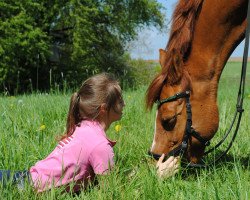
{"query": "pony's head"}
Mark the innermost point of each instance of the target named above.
(172, 91)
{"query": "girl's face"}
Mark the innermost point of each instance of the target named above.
(115, 112)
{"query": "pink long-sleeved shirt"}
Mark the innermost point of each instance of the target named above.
(76, 158)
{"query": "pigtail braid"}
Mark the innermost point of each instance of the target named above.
(73, 117)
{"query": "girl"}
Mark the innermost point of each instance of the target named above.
(84, 150)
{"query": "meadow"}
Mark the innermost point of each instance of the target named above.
(30, 124)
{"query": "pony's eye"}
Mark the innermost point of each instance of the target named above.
(169, 124)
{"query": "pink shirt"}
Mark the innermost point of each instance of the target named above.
(76, 158)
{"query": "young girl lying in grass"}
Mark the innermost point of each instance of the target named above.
(85, 150)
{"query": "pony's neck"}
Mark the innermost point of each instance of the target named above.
(218, 31)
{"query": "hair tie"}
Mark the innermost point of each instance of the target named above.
(77, 97)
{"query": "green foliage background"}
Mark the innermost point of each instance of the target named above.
(65, 41)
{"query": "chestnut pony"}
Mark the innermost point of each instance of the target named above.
(203, 35)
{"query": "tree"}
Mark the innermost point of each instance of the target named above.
(68, 39)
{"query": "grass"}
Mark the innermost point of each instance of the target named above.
(29, 125)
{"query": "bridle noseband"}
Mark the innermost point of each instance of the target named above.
(189, 131)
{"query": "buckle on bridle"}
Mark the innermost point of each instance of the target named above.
(184, 145)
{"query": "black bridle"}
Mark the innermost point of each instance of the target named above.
(190, 132)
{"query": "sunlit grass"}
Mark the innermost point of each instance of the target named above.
(29, 125)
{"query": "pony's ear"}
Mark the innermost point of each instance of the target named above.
(163, 56)
(176, 69)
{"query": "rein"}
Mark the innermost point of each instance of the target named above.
(190, 132)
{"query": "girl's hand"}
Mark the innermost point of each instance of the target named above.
(168, 168)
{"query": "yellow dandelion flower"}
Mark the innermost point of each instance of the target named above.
(118, 128)
(42, 127)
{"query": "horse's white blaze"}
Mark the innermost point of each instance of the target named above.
(154, 143)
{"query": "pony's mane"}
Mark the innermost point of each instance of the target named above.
(181, 35)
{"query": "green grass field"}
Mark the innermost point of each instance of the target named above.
(29, 125)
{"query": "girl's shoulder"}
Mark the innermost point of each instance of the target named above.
(89, 125)
(89, 130)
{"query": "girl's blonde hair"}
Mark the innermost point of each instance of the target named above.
(86, 103)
